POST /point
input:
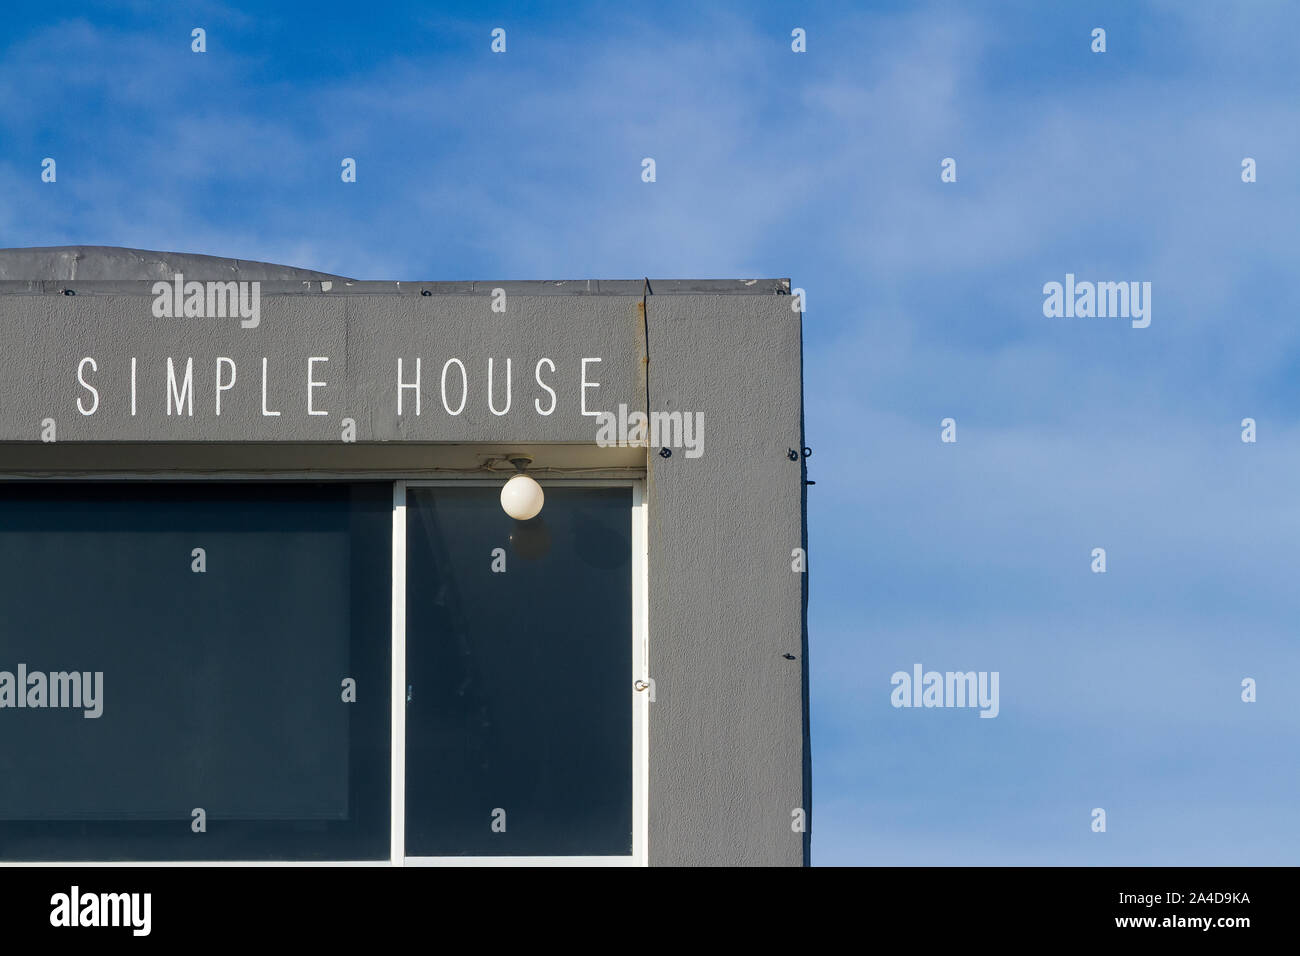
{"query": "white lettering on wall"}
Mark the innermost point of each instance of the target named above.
(464, 386)
(402, 386)
(94, 404)
(586, 385)
(229, 385)
(537, 374)
(174, 389)
(312, 384)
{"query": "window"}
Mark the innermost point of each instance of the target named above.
(519, 669)
(218, 631)
(206, 670)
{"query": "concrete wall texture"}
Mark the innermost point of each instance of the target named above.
(729, 747)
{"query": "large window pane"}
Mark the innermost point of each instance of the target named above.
(519, 723)
(218, 674)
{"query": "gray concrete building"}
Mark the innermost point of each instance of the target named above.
(262, 600)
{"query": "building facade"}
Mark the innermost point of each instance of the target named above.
(260, 600)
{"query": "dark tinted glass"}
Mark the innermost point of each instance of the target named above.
(221, 689)
(520, 681)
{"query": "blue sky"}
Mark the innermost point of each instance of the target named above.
(925, 299)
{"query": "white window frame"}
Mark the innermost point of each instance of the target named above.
(640, 676)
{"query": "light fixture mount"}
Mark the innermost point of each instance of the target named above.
(522, 497)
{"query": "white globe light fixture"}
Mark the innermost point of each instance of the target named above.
(522, 497)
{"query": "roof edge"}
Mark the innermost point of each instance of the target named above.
(336, 286)
(113, 270)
